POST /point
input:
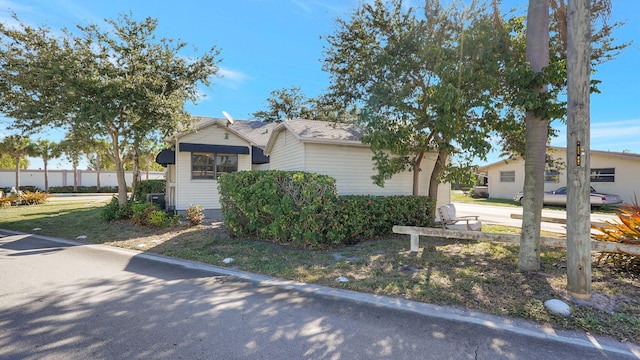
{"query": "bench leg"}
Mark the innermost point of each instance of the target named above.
(415, 239)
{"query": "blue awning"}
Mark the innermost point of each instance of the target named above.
(217, 149)
(258, 156)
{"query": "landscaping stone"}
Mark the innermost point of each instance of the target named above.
(81, 237)
(227, 260)
(342, 279)
(557, 307)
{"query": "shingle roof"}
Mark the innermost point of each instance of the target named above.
(319, 132)
(324, 131)
(255, 132)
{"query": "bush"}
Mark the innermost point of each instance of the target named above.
(365, 216)
(626, 231)
(113, 211)
(144, 187)
(194, 214)
(161, 219)
(5, 201)
(283, 206)
(304, 210)
(33, 198)
(83, 189)
(141, 213)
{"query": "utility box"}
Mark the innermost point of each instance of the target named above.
(156, 198)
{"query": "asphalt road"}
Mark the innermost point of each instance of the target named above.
(491, 214)
(66, 300)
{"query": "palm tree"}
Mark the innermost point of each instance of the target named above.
(46, 150)
(18, 147)
(73, 149)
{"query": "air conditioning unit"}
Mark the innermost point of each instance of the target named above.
(156, 198)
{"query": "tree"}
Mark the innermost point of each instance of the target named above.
(73, 149)
(423, 82)
(536, 125)
(17, 147)
(46, 150)
(537, 90)
(117, 84)
(7, 162)
(285, 104)
(96, 159)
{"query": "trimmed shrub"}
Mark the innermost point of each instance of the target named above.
(287, 207)
(364, 216)
(304, 210)
(83, 189)
(144, 187)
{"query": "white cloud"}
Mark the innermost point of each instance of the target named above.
(615, 129)
(231, 78)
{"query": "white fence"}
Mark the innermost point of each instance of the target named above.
(65, 178)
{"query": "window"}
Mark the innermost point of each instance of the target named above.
(210, 166)
(552, 176)
(507, 176)
(603, 175)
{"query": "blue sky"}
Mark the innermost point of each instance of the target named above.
(273, 44)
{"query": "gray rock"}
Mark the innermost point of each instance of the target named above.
(558, 307)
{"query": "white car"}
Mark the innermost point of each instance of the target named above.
(558, 197)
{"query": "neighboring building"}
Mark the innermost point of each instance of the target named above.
(611, 172)
(332, 149)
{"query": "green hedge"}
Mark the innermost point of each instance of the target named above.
(282, 206)
(83, 189)
(362, 217)
(303, 209)
(144, 187)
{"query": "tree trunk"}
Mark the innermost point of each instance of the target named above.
(578, 144)
(18, 174)
(75, 177)
(136, 169)
(434, 180)
(98, 166)
(45, 161)
(119, 163)
(537, 39)
(416, 174)
(148, 165)
(122, 182)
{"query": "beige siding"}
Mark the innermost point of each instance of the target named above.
(506, 190)
(625, 184)
(352, 167)
(203, 192)
(287, 153)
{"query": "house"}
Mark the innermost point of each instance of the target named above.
(611, 172)
(333, 149)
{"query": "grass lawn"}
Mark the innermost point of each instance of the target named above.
(481, 276)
